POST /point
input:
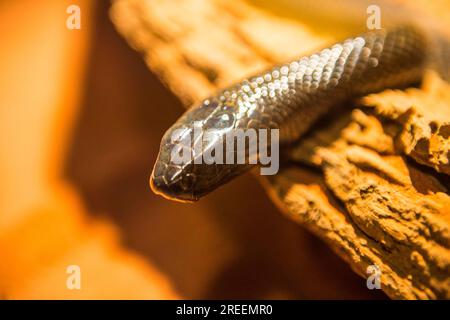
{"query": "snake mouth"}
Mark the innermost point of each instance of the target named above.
(174, 192)
(166, 192)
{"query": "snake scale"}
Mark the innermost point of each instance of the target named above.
(292, 96)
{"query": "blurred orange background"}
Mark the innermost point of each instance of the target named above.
(81, 120)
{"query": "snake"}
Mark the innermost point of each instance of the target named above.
(291, 97)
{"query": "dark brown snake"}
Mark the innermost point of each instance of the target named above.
(292, 96)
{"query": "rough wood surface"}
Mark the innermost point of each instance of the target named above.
(371, 181)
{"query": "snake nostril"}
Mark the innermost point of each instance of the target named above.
(187, 182)
(172, 173)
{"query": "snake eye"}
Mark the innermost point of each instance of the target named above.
(221, 120)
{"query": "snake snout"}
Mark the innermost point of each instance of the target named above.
(174, 189)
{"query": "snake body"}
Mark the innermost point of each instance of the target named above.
(291, 97)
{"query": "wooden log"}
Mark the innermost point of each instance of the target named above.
(372, 182)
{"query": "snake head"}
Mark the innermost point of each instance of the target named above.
(182, 171)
